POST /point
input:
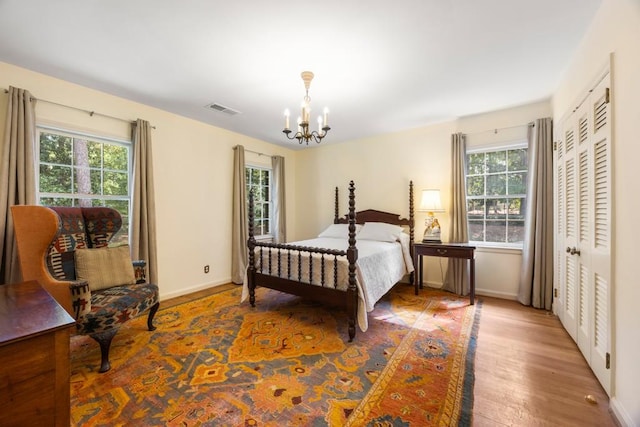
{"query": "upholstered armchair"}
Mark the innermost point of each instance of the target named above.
(67, 251)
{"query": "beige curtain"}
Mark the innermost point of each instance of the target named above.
(279, 217)
(143, 217)
(536, 273)
(17, 174)
(457, 279)
(239, 226)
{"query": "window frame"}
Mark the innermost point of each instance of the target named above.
(269, 235)
(491, 148)
(73, 196)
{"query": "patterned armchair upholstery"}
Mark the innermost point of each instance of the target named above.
(47, 239)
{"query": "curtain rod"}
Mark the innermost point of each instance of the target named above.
(91, 113)
(254, 152)
(496, 130)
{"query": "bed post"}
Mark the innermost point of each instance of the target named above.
(411, 229)
(251, 244)
(336, 215)
(352, 257)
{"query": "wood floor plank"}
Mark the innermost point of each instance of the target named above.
(529, 372)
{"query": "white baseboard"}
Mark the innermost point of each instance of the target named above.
(432, 285)
(186, 291)
(484, 292)
(490, 293)
(620, 414)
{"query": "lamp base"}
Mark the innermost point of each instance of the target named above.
(432, 232)
(431, 241)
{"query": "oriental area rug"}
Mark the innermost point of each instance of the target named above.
(287, 362)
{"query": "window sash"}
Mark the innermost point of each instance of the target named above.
(98, 177)
(496, 215)
(262, 201)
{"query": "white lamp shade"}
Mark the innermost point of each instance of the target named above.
(430, 201)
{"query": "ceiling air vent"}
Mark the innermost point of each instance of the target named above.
(221, 108)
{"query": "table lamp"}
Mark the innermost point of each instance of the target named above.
(430, 203)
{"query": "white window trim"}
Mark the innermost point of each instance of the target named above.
(76, 133)
(496, 246)
(519, 143)
(511, 145)
(42, 127)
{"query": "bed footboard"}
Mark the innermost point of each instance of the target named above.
(303, 264)
(305, 271)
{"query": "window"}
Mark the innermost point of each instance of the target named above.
(496, 195)
(85, 170)
(259, 180)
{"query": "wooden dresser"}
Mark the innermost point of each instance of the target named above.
(34, 357)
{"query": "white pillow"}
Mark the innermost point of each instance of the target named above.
(339, 231)
(380, 231)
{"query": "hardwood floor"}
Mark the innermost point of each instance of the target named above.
(528, 370)
(195, 295)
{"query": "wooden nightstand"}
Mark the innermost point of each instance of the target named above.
(445, 250)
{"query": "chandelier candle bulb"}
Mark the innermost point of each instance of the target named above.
(305, 112)
(320, 125)
(325, 117)
(286, 119)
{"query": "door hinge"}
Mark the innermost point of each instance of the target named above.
(555, 145)
(608, 361)
(555, 292)
(607, 96)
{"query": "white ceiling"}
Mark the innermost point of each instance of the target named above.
(380, 66)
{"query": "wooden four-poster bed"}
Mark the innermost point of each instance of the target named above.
(328, 269)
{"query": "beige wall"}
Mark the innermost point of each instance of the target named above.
(382, 167)
(193, 174)
(616, 29)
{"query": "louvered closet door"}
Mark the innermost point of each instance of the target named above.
(583, 229)
(568, 267)
(600, 309)
(581, 255)
(559, 225)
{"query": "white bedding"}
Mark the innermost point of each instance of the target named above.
(380, 265)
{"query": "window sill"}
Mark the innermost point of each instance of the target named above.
(496, 249)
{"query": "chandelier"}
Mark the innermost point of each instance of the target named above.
(304, 134)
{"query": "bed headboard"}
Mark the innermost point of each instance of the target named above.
(372, 215)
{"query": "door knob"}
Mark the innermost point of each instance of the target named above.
(575, 251)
